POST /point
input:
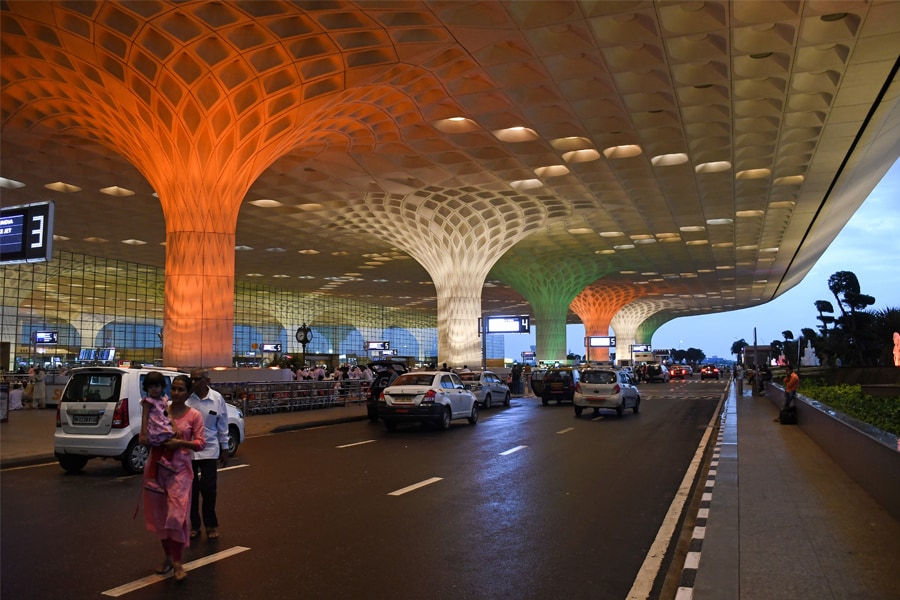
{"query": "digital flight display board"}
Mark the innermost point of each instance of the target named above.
(508, 324)
(271, 347)
(378, 346)
(600, 342)
(26, 233)
(46, 337)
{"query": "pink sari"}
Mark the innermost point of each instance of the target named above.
(168, 515)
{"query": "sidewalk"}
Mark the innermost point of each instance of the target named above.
(779, 520)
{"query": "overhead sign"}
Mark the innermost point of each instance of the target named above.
(509, 324)
(378, 345)
(271, 347)
(641, 348)
(390, 352)
(26, 233)
(46, 337)
(600, 342)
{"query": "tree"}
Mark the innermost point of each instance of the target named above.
(824, 306)
(737, 348)
(843, 282)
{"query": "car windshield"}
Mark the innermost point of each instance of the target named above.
(468, 376)
(415, 379)
(558, 375)
(598, 377)
(92, 387)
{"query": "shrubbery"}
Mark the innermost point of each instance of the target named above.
(883, 413)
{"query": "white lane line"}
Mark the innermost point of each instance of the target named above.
(233, 467)
(598, 418)
(566, 430)
(151, 579)
(355, 444)
(511, 450)
(415, 486)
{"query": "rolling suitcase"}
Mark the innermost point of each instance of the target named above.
(788, 416)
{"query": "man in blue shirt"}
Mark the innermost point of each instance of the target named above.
(212, 408)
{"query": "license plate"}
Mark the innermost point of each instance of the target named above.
(403, 399)
(85, 419)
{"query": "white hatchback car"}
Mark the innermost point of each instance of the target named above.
(427, 396)
(606, 388)
(99, 415)
(487, 387)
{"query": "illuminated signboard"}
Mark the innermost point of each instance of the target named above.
(26, 233)
(271, 347)
(46, 337)
(640, 348)
(600, 342)
(509, 324)
(378, 345)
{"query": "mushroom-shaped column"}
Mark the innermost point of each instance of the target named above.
(549, 284)
(629, 318)
(649, 326)
(596, 305)
(457, 239)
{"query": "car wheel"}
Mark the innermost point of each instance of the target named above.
(620, 408)
(390, 425)
(234, 440)
(72, 464)
(637, 405)
(135, 457)
(487, 401)
(578, 410)
(473, 418)
(444, 422)
(506, 399)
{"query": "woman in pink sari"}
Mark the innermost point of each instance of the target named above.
(167, 514)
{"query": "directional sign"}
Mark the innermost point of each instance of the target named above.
(378, 345)
(600, 342)
(271, 347)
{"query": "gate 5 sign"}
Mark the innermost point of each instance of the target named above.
(26, 233)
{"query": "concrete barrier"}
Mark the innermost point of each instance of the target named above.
(870, 456)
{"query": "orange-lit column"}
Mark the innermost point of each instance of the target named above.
(596, 305)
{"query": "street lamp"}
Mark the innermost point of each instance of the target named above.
(304, 335)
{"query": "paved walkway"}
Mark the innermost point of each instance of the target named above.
(779, 519)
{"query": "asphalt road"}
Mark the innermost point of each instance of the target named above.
(532, 502)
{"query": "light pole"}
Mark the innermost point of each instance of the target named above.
(304, 335)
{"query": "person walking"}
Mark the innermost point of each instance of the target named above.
(211, 406)
(39, 395)
(166, 513)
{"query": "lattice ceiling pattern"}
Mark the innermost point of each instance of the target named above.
(685, 147)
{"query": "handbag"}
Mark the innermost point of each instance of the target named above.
(29, 390)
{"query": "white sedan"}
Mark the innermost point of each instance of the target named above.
(427, 396)
(606, 388)
(487, 387)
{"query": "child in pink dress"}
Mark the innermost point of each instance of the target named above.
(156, 428)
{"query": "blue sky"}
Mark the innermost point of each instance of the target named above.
(868, 245)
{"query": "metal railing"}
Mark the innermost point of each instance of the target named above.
(256, 398)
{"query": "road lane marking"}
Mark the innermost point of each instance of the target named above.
(151, 579)
(415, 486)
(511, 450)
(566, 430)
(598, 418)
(233, 467)
(356, 444)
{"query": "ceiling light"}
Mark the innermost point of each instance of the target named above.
(768, 250)
(254, 274)
(526, 184)
(97, 240)
(133, 242)
(782, 204)
(626, 151)
(604, 251)
(116, 191)
(275, 249)
(723, 245)
(10, 184)
(580, 156)
(749, 213)
(280, 276)
(747, 247)
(568, 144)
(611, 233)
(791, 180)
(580, 230)
(455, 125)
(242, 248)
(515, 134)
(340, 253)
(833, 17)
(713, 167)
(305, 277)
(669, 160)
(663, 236)
(552, 171)
(628, 272)
(66, 188)
(696, 242)
(624, 247)
(719, 221)
(266, 203)
(60, 238)
(753, 174)
(690, 228)
(641, 236)
(724, 267)
(646, 241)
(670, 239)
(308, 251)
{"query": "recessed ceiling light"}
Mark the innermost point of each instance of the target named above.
(134, 242)
(624, 151)
(526, 184)
(275, 249)
(455, 125)
(612, 233)
(116, 191)
(690, 228)
(604, 251)
(308, 251)
(669, 160)
(552, 171)
(723, 245)
(60, 238)
(768, 250)
(646, 241)
(266, 203)
(567, 144)
(340, 253)
(305, 277)
(580, 230)
(753, 174)
(242, 248)
(66, 188)
(280, 276)
(792, 180)
(696, 242)
(515, 134)
(628, 272)
(10, 184)
(580, 156)
(719, 221)
(97, 240)
(713, 167)
(782, 204)
(254, 274)
(747, 247)
(624, 247)
(749, 213)
(724, 267)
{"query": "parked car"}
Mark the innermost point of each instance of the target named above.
(656, 372)
(99, 416)
(679, 372)
(709, 372)
(559, 385)
(379, 382)
(487, 387)
(606, 388)
(427, 396)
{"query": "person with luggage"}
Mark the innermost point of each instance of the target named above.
(791, 385)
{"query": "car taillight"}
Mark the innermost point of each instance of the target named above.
(120, 415)
(58, 421)
(578, 387)
(381, 398)
(616, 389)
(430, 395)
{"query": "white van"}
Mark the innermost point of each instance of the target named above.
(99, 415)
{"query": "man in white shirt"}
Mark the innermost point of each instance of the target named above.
(212, 408)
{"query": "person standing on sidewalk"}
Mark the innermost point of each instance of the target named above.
(791, 385)
(39, 395)
(211, 406)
